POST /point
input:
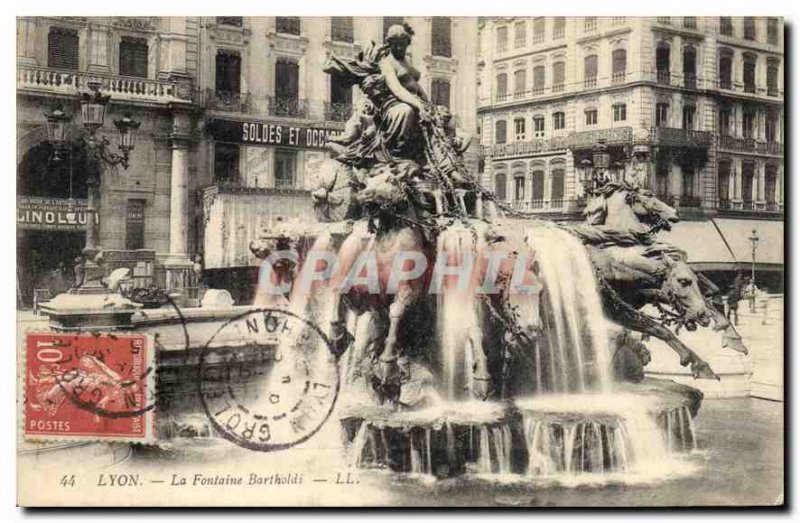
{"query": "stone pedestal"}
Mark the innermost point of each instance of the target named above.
(90, 309)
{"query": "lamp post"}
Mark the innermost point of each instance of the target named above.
(595, 171)
(93, 113)
(754, 245)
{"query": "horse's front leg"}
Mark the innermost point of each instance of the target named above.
(389, 370)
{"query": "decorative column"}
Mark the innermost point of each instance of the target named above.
(179, 197)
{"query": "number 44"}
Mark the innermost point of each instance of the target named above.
(68, 480)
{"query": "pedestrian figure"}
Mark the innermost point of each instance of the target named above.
(734, 295)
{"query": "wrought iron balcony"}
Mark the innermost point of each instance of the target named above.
(663, 77)
(338, 112)
(226, 101)
(288, 107)
(750, 145)
(690, 80)
(680, 137)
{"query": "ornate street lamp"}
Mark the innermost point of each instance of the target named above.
(595, 171)
(126, 127)
(93, 108)
(754, 244)
(57, 121)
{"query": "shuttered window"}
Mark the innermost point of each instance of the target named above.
(62, 48)
(133, 57)
(288, 25)
(440, 36)
(228, 71)
(287, 73)
(226, 162)
(285, 165)
(440, 92)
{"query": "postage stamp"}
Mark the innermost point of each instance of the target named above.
(89, 386)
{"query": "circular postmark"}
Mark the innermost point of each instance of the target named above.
(268, 379)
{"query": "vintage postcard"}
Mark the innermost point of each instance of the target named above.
(400, 261)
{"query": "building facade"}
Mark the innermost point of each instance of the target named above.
(235, 112)
(694, 104)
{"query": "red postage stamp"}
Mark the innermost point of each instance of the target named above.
(89, 386)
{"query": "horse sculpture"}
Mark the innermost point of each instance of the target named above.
(635, 270)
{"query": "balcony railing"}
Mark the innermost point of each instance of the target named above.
(225, 101)
(690, 80)
(557, 88)
(538, 38)
(618, 77)
(773, 91)
(120, 87)
(725, 84)
(750, 145)
(518, 95)
(680, 137)
(537, 90)
(338, 112)
(558, 33)
(590, 81)
(288, 107)
(749, 89)
(540, 205)
(502, 97)
(663, 77)
(519, 42)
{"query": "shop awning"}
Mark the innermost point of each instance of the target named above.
(723, 244)
(737, 232)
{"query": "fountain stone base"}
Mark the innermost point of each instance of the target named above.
(543, 436)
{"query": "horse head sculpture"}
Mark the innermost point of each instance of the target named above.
(623, 207)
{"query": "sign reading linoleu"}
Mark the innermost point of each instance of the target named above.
(268, 133)
(52, 214)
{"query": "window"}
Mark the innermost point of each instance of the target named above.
(690, 22)
(724, 183)
(500, 186)
(749, 123)
(725, 68)
(342, 29)
(226, 162)
(389, 21)
(285, 164)
(749, 74)
(770, 183)
(772, 31)
(440, 37)
(286, 79)
(538, 126)
(591, 116)
(520, 34)
(538, 30)
(772, 77)
(662, 180)
(500, 131)
(519, 188)
(289, 25)
(341, 99)
(440, 92)
(662, 63)
(590, 71)
(617, 20)
(234, 21)
(688, 117)
(771, 126)
(689, 66)
(558, 120)
(538, 79)
(749, 28)
(537, 186)
(502, 39)
(519, 83)
(134, 224)
(687, 189)
(666, 20)
(558, 76)
(589, 23)
(559, 23)
(619, 65)
(228, 69)
(725, 121)
(133, 57)
(502, 86)
(726, 25)
(557, 187)
(748, 172)
(519, 129)
(62, 48)
(662, 114)
(620, 112)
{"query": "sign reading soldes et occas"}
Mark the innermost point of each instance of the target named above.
(270, 134)
(52, 214)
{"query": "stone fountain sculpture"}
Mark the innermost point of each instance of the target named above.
(399, 184)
